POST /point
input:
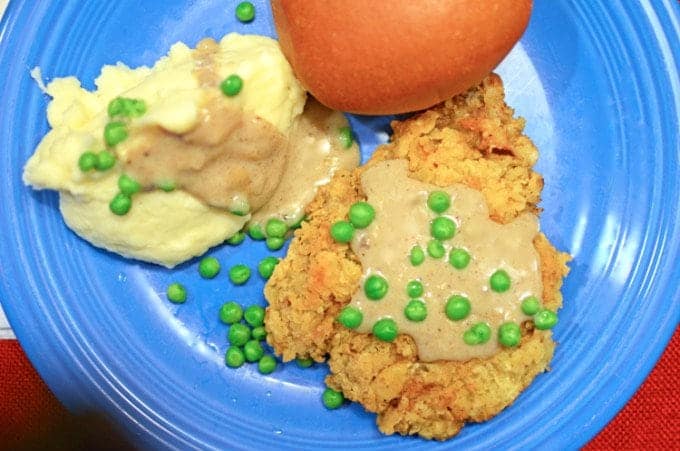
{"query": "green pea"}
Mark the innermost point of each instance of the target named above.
(415, 310)
(167, 186)
(105, 160)
(274, 244)
(385, 329)
(478, 334)
(266, 267)
(120, 204)
(457, 307)
(237, 238)
(304, 362)
(245, 12)
(361, 214)
(253, 350)
(509, 334)
(239, 334)
(209, 267)
(346, 137)
(531, 305)
(255, 232)
(267, 364)
(232, 85)
(442, 228)
(499, 281)
(87, 161)
(276, 228)
(375, 287)
(176, 292)
(128, 185)
(115, 133)
(414, 288)
(254, 315)
(459, 258)
(259, 333)
(545, 319)
(342, 232)
(417, 256)
(332, 399)
(121, 106)
(231, 312)
(439, 201)
(350, 317)
(234, 357)
(116, 107)
(239, 274)
(435, 249)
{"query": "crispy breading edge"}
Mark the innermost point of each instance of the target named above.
(471, 139)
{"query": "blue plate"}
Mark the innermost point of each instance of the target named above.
(598, 84)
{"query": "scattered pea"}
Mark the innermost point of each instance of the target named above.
(232, 85)
(253, 350)
(105, 160)
(385, 329)
(115, 133)
(509, 334)
(332, 399)
(545, 319)
(87, 161)
(361, 215)
(304, 362)
(239, 334)
(350, 317)
(245, 12)
(375, 287)
(274, 244)
(239, 274)
(267, 364)
(478, 334)
(435, 249)
(209, 267)
(439, 201)
(414, 288)
(342, 232)
(234, 357)
(346, 137)
(167, 185)
(176, 293)
(276, 228)
(459, 258)
(259, 333)
(254, 315)
(121, 106)
(499, 281)
(128, 185)
(442, 228)
(417, 256)
(231, 312)
(255, 232)
(120, 204)
(266, 267)
(531, 305)
(457, 307)
(237, 238)
(415, 310)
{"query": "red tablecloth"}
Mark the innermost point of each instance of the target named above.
(30, 415)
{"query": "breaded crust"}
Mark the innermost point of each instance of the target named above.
(471, 139)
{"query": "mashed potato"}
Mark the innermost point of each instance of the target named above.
(164, 228)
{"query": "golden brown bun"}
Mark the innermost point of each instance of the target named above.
(395, 56)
